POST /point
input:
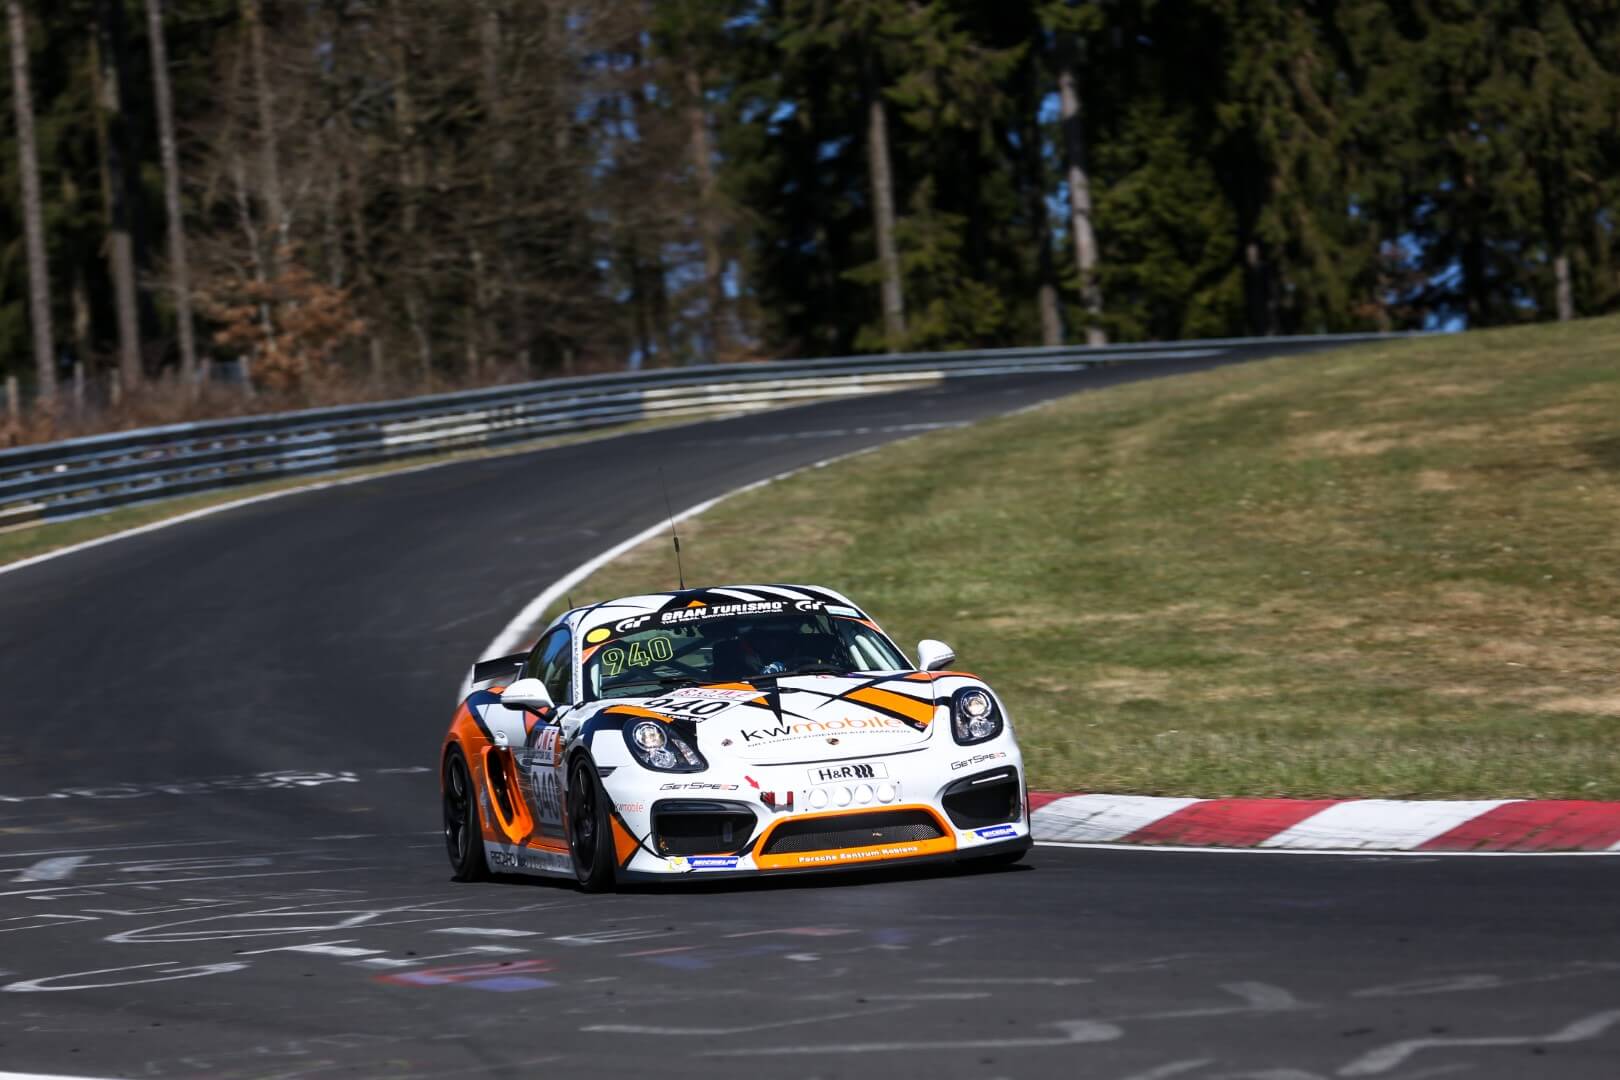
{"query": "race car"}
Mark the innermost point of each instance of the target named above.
(726, 731)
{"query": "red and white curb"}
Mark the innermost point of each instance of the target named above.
(1475, 826)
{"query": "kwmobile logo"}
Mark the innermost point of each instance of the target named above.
(828, 774)
(819, 727)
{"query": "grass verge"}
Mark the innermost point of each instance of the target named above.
(1390, 571)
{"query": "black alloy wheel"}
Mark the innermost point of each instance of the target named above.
(463, 834)
(590, 836)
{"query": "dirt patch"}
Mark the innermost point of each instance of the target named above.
(1437, 480)
(1597, 705)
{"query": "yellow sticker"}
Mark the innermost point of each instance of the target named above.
(601, 633)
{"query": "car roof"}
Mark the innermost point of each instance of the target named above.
(776, 597)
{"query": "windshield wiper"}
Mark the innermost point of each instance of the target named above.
(663, 682)
(812, 669)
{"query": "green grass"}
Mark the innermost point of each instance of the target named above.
(1389, 571)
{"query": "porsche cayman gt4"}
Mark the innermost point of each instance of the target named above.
(736, 730)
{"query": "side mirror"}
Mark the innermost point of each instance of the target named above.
(933, 655)
(526, 694)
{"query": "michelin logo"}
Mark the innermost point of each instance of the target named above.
(995, 832)
(711, 862)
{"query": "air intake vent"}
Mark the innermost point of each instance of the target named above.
(991, 798)
(696, 827)
(852, 831)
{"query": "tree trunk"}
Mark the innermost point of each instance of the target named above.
(269, 147)
(1565, 287)
(412, 179)
(703, 165)
(179, 271)
(39, 281)
(882, 178)
(1079, 183)
(112, 141)
(1034, 182)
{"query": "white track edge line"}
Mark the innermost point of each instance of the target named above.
(1359, 853)
(220, 508)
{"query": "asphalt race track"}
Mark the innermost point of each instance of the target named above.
(219, 853)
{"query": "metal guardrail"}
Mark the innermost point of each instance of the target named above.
(79, 476)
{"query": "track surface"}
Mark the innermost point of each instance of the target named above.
(218, 856)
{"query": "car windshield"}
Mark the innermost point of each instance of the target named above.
(699, 648)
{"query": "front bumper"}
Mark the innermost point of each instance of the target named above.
(807, 817)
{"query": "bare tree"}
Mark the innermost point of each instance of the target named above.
(179, 271)
(1079, 183)
(108, 72)
(39, 283)
(881, 173)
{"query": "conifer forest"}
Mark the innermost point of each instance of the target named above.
(209, 206)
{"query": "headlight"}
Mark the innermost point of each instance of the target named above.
(974, 717)
(659, 746)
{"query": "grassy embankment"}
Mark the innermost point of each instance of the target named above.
(1390, 571)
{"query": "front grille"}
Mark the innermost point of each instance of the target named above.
(696, 827)
(991, 798)
(851, 831)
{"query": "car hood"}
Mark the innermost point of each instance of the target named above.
(806, 717)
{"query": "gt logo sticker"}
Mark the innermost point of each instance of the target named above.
(624, 626)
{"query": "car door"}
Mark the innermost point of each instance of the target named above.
(539, 759)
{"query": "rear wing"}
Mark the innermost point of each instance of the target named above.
(501, 669)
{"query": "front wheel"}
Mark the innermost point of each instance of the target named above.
(463, 832)
(590, 838)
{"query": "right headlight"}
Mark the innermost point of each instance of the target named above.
(659, 746)
(974, 716)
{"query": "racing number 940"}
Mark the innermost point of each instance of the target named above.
(640, 654)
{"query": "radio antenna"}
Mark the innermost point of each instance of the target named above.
(680, 575)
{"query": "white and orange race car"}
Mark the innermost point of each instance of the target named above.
(736, 730)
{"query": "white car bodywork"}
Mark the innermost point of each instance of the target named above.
(802, 772)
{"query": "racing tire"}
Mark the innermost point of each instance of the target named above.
(590, 833)
(463, 827)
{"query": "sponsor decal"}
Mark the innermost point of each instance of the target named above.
(693, 708)
(855, 856)
(808, 605)
(631, 807)
(698, 785)
(704, 693)
(624, 626)
(514, 859)
(601, 633)
(978, 759)
(718, 611)
(800, 729)
(995, 832)
(828, 774)
(712, 862)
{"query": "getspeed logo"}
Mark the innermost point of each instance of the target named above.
(819, 727)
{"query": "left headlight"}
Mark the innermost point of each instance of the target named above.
(974, 716)
(660, 746)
